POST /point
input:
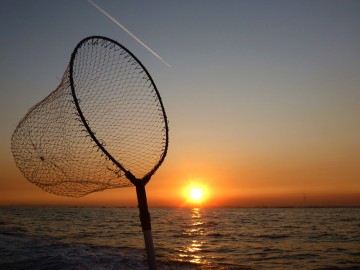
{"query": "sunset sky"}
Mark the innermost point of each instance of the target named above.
(262, 97)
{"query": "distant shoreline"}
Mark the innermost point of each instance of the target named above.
(173, 207)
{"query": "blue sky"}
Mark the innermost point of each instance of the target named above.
(269, 86)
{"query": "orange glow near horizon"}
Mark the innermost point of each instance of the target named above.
(248, 188)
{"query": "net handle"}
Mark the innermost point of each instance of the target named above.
(146, 226)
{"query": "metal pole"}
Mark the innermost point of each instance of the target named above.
(146, 226)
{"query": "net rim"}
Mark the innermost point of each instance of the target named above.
(128, 173)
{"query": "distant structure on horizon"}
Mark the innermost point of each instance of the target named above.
(305, 198)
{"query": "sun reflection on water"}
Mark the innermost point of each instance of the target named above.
(195, 235)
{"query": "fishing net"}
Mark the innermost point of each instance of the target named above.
(103, 125)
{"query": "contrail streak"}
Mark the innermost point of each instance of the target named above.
(127, 31)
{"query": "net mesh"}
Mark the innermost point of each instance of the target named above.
(106, 87)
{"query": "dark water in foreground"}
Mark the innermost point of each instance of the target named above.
(110, 238)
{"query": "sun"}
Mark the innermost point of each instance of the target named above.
(196, 194)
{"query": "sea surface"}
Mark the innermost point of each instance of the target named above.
(238, 238)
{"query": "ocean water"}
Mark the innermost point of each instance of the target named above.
(111, 238)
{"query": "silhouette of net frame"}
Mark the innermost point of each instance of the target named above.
(103, 127)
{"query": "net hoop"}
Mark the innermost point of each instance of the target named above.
(128, 173)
